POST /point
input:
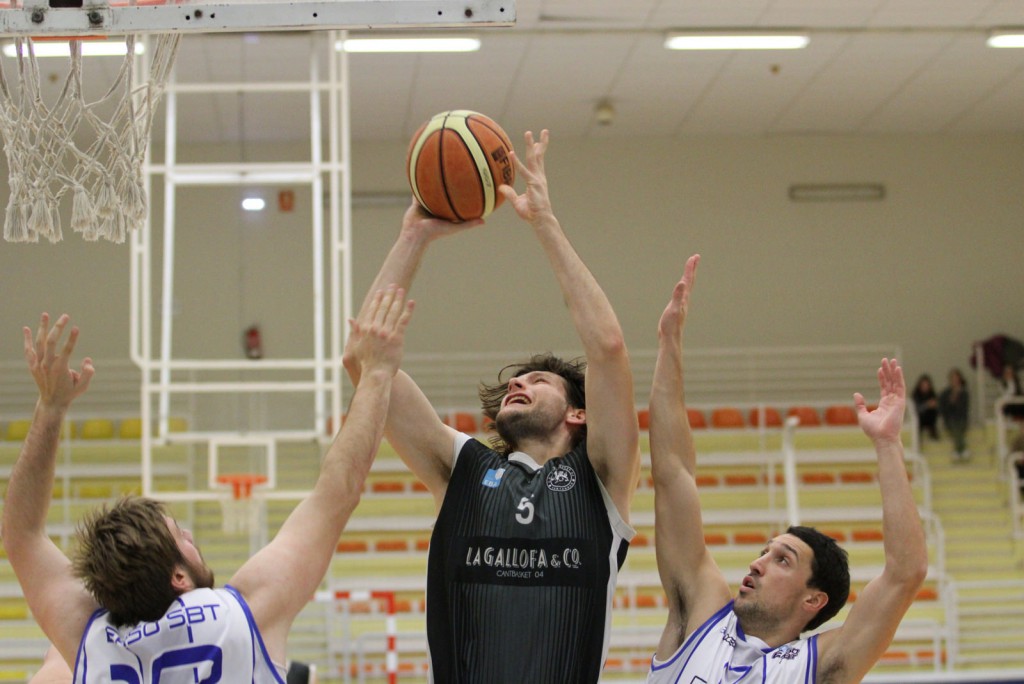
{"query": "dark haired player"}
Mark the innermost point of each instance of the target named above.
(801, 578)
(530, 535)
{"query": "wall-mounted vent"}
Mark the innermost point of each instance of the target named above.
(837, 192)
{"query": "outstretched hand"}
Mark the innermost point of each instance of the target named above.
(886, 421)
(58, 383)
(426, 225)
(674, 316)
(378, 335)
(534, 201)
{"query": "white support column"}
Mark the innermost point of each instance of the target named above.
(789, 468)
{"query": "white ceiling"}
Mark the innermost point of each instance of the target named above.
(872, 66)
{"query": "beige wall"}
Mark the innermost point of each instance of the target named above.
(935, 266)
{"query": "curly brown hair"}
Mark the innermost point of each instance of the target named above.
(572, 372)
(126, 556)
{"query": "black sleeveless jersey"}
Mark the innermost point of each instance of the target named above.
(521, 572)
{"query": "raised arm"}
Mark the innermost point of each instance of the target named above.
(613, 440)
(58, 600)
(279, 580)
(694, 586)
(413, 427)
(851, 650)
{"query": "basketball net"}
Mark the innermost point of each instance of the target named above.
(240, 513)
(102, 167)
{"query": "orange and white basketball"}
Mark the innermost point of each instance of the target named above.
(455, 163)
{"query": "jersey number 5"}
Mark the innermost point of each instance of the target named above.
(527, 516)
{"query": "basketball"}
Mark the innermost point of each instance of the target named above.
(455, 163)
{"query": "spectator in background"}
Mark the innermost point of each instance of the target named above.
(954, 407)
(926, 406)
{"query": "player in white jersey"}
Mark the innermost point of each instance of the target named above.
(137, 604)
(799, 581)
(545, 411)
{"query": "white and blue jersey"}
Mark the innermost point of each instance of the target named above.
(207, 635)
(720, 653)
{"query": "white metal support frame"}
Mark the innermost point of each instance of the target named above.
(163, 376)
(39, 18)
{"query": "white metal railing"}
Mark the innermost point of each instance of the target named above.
(1001, 599)
(1003, 425)
(1013, 496)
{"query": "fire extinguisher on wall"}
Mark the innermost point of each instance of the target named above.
(253, 342)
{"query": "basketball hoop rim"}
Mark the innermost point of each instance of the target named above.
(242, 484)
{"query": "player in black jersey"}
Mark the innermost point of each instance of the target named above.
(799, 581)
(530, 536)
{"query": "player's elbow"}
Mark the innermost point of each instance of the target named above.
(610, 343)
(911, 573)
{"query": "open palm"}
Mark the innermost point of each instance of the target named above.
(886, 421)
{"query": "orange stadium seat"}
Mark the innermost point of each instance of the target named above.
(808, 415)
(423, 544)
(646, 601)
(750, 538)
(715, 539)
(818, 478)
(461, 421)
(352, 546)
(697, 420)
(640, 539)
(740, 480)
(707, 481)
(838, 535)
(392, 545)
(856, 477)
(418, 486)
(771, 417)
(840, 414)
(866, 535)
(383, 486)
(929, 655)
(643, 417)
(727, 417)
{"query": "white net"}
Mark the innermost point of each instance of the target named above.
(239, 516)
(93, 149)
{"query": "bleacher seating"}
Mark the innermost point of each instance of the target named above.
(386, 542)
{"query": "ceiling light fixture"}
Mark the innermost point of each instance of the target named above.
(432, 44)
(90, 48)
(735, 40)
(253, 204)
(1006, 39)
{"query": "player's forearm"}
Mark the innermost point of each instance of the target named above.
(31, 485)
(670, 435)
(592, 313)
(906, 553)
(402, 262)
(348, 461)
